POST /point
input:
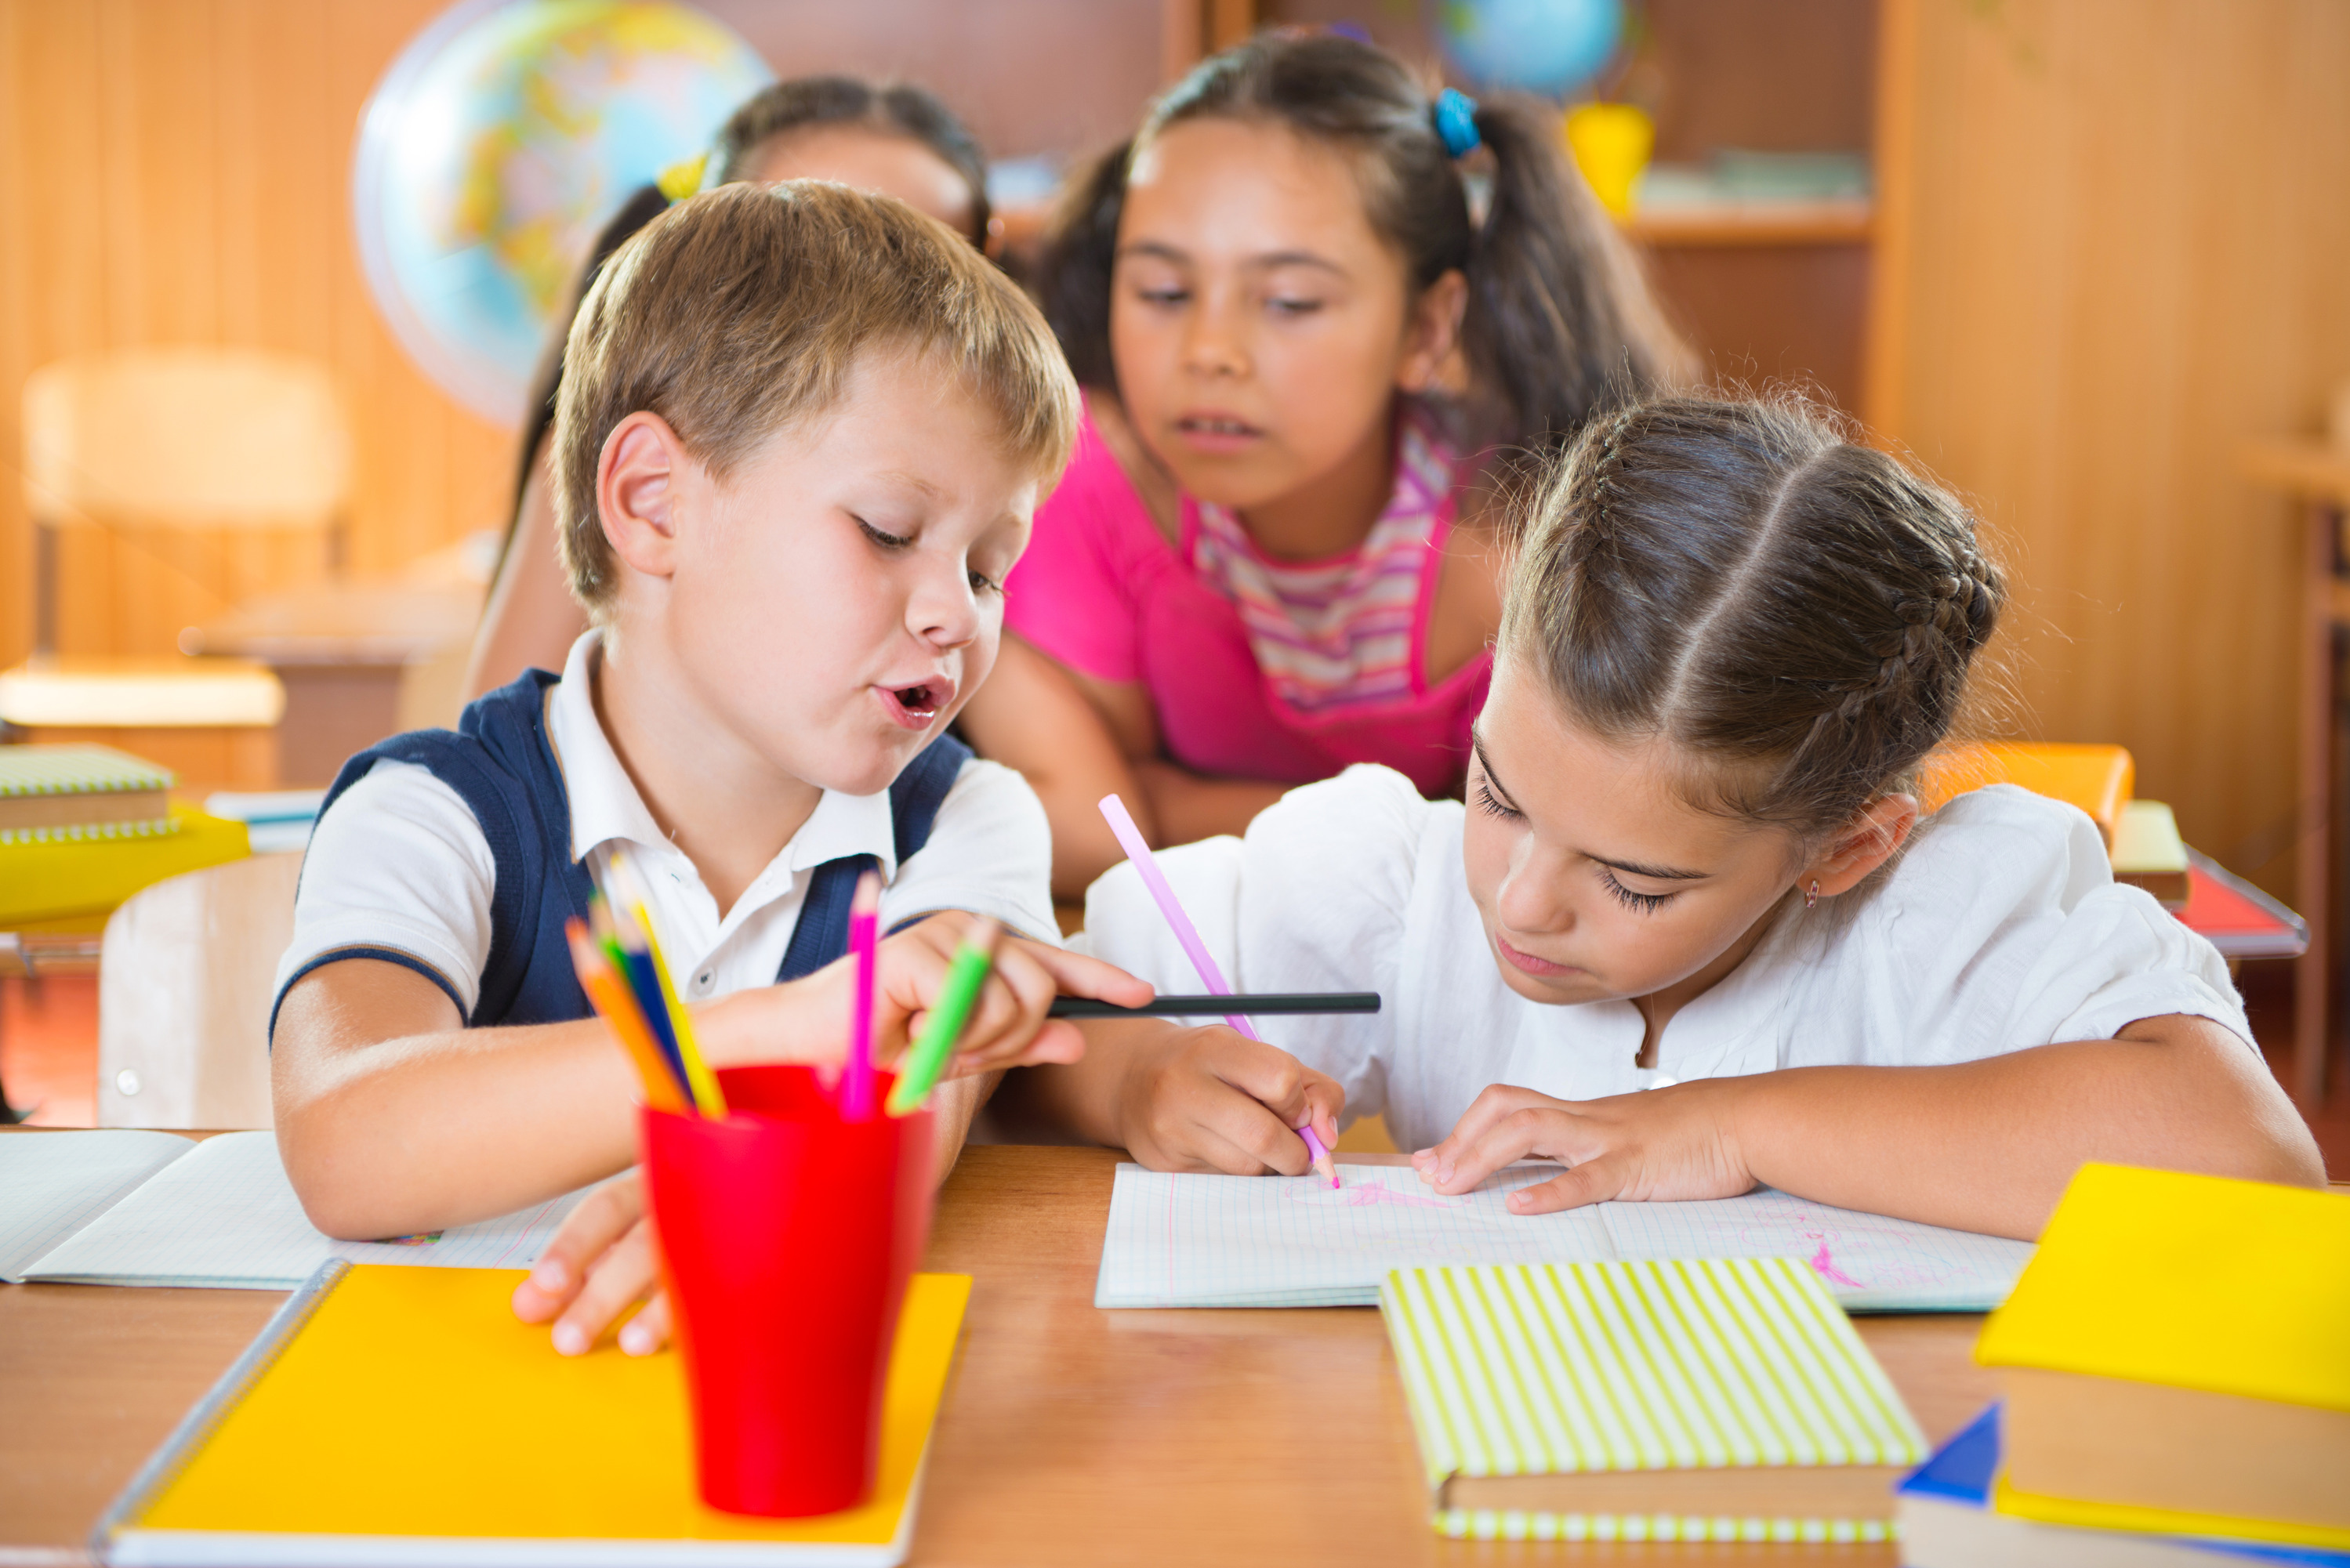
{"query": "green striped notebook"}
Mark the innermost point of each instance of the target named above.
(51, 793)
(1722, 1400)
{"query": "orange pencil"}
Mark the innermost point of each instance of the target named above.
(618, 1005)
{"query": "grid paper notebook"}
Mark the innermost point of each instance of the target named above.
(54, 1183)
(219, 1214)
(1269, 1241)
(1725, 1385)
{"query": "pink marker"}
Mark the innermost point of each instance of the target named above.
(1130, 838)
(857, 1083)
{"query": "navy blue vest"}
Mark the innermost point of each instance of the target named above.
(501, 764)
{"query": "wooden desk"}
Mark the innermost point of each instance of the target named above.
(1069, 1436)
(2318, 476)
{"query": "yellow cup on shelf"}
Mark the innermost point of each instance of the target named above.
(1611, 144)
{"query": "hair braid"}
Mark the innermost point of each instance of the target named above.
(1800, 612)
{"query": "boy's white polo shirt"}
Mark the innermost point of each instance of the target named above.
(401, 863)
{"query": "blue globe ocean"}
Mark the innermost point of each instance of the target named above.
(497, 147)
(1535, 46)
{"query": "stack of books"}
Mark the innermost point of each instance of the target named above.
(82, 828)
(2176, 1369)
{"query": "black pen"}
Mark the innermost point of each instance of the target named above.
(1270, 1005)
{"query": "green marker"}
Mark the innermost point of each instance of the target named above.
(927, 1058)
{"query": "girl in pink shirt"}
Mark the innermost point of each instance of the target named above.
(1308, 364)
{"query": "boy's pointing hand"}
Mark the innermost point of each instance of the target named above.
(807, 1020)
(1009, 1026)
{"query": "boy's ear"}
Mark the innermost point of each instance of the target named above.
(637, 484)
(1865, 843)
(1432, 333)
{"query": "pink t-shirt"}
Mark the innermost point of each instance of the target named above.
(1103, 590)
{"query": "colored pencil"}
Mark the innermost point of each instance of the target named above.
(1271, 1003)
(857, 1081)
(664, 1009)
(616, 1005)
(1129, 836)
(918, 1072)
(700, 1081)
(625, 946)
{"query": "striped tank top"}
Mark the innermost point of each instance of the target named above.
(1346, 633)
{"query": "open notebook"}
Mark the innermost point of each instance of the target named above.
(123, 1208)
(1269, 1241)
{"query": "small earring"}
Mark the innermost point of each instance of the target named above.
(1812, 896)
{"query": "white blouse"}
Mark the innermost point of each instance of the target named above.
(2001, 927)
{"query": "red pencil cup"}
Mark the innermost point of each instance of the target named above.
(787, 1236)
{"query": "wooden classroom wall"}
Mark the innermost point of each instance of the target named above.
(2115, 242)
(177, 172)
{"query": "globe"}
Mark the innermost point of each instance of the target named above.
(497, 147)
(1535, 46)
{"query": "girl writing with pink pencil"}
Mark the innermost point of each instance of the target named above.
(1689, 932)
(1308, 355)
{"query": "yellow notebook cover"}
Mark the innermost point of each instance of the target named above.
(2088, 1515)
(53, 879)
(392, 1413)
(2198, 1281)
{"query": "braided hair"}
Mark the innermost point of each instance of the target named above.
(1797, 614)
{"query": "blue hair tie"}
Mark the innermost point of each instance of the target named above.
(1455, 113)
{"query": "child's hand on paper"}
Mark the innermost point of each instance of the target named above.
(1677, 1142)
(601, 1261)
(1210, 1098)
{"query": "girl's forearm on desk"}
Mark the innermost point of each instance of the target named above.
(1990, 1146)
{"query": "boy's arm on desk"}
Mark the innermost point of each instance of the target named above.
(393, 1118)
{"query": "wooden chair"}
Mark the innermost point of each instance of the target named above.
(180, 440)
(183, 993)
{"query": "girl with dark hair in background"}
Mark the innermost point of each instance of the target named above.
(898, 140)
(1307, 357)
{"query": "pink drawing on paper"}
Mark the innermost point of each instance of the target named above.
(1823, 1265)
(1363, 1194)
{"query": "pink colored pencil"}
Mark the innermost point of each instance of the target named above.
(857, 1081)
(1130, 838)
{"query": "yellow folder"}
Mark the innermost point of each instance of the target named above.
(59, 879)
(390, 1411)
(2096, 778)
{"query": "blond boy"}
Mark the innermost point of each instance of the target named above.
(801, 438)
